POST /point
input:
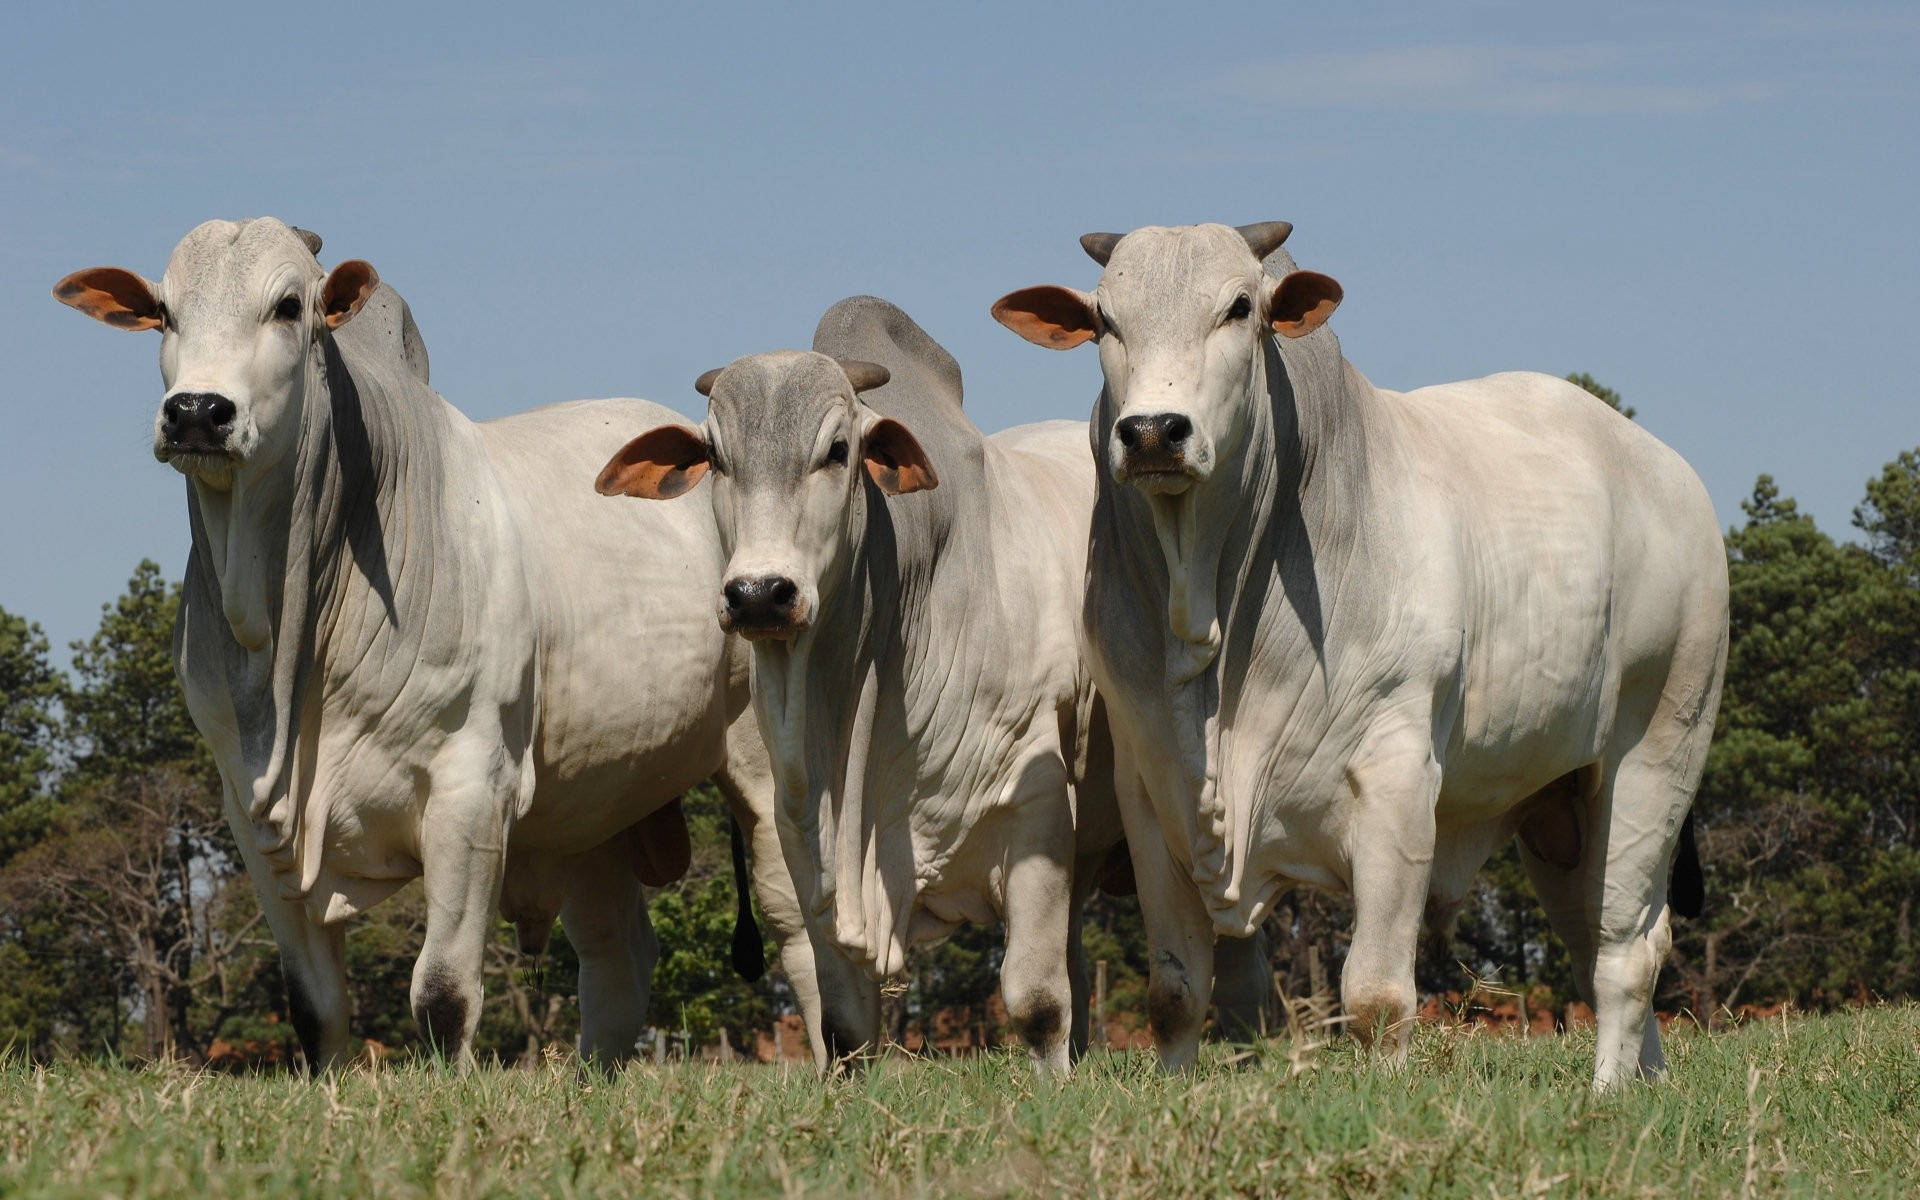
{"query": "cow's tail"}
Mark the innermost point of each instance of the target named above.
(1687, 889)
(749, 954)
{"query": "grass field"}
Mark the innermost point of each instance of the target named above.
(1822, 1105)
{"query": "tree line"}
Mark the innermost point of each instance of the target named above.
(128, 926)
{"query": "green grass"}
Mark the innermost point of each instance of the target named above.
(1826, 1105)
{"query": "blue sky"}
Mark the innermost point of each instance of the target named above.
(1710, 207)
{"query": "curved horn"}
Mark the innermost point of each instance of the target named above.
(308, 236)
(1099, 246)
(864, 376)
(1266, 237)
(704, 384)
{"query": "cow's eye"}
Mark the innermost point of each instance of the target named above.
(713, 461)
(1240, 308)
(288, 309)
(837, 453)
(1106, 321)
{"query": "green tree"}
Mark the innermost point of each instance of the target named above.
(29, 692)
(1809, 814)
(1600, 390)
(132, 887)
(125, 711)
(33, 975)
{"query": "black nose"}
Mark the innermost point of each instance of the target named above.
(202, 412)
(1163, 431)
(760, 601)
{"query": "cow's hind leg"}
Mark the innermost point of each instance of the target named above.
(1391, 844)
(1242, 986)
(1080, 1034)
(1035, 978)
(605, 915)
(1611, 905)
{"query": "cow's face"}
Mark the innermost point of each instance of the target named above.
(240, 311)
(787, 443)
(1179, 315)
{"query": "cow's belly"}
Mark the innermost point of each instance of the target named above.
(633, 712)
(1536, 699)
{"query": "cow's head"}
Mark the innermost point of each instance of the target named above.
(789, 447)
(240, 310)
(1179, 315)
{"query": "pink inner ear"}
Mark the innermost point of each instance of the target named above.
(895, 460)
(119, 298)
(348, 287)
(658, 465)
(1303, 301)
(1051, 316)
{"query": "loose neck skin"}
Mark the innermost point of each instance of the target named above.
(297, 565)
(1275, 503)
(1269, 577)
(829, 719)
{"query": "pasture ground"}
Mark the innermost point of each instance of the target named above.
(1806, 1105)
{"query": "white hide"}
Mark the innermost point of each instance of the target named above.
(421, 646)
(932, 729)
(1379, 633)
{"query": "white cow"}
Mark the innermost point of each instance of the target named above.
(415, 643)
(916, 663)
(1358, 639)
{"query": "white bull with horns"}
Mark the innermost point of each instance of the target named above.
(414, 643)
(1359, 639)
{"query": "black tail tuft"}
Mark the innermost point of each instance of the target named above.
(749, 954)
(1687, 891)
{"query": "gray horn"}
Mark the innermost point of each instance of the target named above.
(1099, 246)
(704, 384)
(308, 236)
(1266, 237)
(864, 376)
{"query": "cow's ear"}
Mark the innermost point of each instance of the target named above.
(120, 298)
(1302, 302)
(658, 465)
(1058, 318)
(349, 286)
(895, 460)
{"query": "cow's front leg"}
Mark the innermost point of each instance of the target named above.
(313, 956)
(1394, 786)
(463, 851)
(313, 960)
(1035, 980)
(1179, 929)
(838, 998)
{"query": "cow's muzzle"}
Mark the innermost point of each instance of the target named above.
(194, 423)
(1153, 452)
(759, 607)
